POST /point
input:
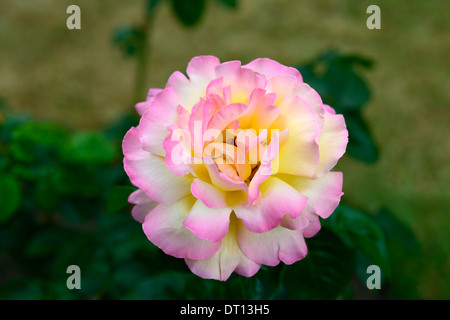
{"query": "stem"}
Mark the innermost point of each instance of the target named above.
(142, 58)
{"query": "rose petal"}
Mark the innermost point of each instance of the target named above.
(271, 68)
(153, 124)
(278, 198)
(208, 223)
(332, 142)
(143, 205)
(163, 226)
(271, 247)
(229, 258)
(142, 107)
(149, 172)
(208, 194)
(242, 81)
(300, 153)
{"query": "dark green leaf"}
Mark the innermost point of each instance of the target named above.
(362, 232)
(117, 130)
(265, 284)
(347, 89)
(4, 162)
(360, 144)
(356, 59)
(230, 3)
(21, 289)
(396, 230)
(38, 141)
(89, 147)
(10, 196)
(41, 133)
(313, 79)
(9, 126)
(118, 198)
(169, 285)
(46, 243)
(188, 12)
(127, 275)
(324, 273)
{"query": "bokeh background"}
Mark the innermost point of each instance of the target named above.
(82, 80)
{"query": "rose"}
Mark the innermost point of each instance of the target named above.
(233, 165)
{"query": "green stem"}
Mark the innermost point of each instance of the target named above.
(143, 58)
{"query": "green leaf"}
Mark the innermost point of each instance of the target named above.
(168, 285)
(21, 289)
(118, 198)
(9, 126)
(325, 271)
(356, 59)
(265, 284)
(89, 147)
(46, 243)
(38, 141)
(188, 12)
(10, 196)
(360, 144)
(347, 89)
(130, 39)
(41, 133)
(362, 232)
(230, 3)
(396, 230)
(336, 79)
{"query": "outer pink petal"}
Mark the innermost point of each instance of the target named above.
(163, 226)
(329, 109)
(271, 247)
(143, 205)
(229, 258)
(208, 223)
(201, 71)
(142, 107)
(332, 143)
(271, 68)
(202, 68)
(312, 228)
(154, 123)
(149, 172)
(278, 198)
(310, 95)
(323, 194)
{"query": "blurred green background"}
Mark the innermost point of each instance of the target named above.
(81, 80)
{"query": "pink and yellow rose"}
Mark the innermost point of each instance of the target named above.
(233, 165)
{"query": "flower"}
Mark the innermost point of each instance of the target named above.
(233, 165)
